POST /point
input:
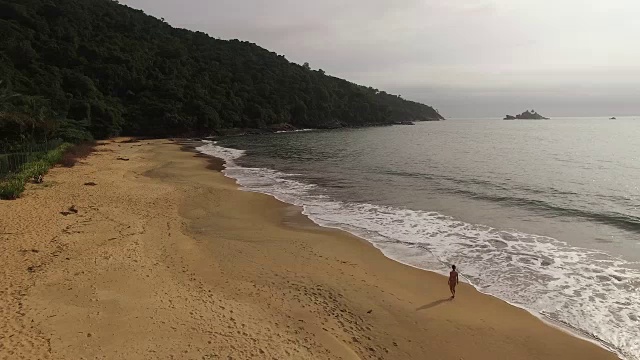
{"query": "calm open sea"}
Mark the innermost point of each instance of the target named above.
(543, 214)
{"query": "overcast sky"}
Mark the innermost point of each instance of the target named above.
(466, 58)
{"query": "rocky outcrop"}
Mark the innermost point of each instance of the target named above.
(282, 127)
(527, 115)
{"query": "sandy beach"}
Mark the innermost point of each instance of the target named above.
(167, 259)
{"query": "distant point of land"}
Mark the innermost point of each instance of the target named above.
(98, 69)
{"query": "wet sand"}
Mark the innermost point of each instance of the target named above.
(166, 258)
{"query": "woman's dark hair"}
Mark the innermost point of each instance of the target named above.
(453, 267)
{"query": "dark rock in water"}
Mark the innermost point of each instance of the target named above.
(612, 118)
(527, 115)
(282, 127)
(251, 131)
(405, 123)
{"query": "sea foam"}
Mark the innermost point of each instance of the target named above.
(593, 294)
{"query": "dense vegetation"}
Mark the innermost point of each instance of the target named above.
(12, 186)
(95, 68)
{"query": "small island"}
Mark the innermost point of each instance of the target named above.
(527, 115)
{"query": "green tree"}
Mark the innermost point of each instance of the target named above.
(105, 69)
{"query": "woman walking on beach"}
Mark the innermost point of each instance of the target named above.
(453, 281)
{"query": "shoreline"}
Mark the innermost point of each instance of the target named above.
(220, 166)
(167, 258)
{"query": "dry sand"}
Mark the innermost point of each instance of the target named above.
(166, 259)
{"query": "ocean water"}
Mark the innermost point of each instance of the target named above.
(542, 214)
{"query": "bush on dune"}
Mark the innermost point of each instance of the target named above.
(12, 188)
(14, 185)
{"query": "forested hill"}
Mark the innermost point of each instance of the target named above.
(98, 67)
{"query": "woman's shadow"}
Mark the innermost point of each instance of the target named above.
(433, 304)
